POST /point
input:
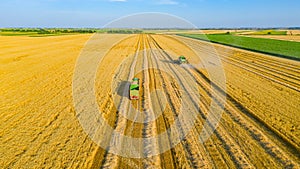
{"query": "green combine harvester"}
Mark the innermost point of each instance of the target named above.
(134, 89)
(182, 60)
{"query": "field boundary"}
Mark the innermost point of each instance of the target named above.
(240, 47)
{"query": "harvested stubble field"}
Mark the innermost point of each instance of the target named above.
(286, 35)
(259, 127)
(295, 38)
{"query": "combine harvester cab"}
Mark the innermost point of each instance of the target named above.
(182, 60)
(134, 89)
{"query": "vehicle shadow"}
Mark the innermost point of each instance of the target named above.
(123, 88)
(170, 61)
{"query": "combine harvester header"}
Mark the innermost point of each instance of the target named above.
(182, 60)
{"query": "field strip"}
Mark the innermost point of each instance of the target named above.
(269, 78)
(255, 58)
(41, 129)
(150, 128)
(258, 134)
(295, 38)
(178, 131)
(290, 80)
(168, 159)
(241, 159)
(112, 160)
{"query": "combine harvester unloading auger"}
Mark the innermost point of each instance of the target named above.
(134, 89)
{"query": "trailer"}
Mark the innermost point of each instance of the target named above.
(134, 89)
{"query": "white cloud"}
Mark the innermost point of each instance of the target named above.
(167, 2)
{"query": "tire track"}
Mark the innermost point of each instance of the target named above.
(289, 80)
(270, 127)
(183, 160)
(294, 86)
(284, 79)
(285, 76)
(235, 110)
(112, 160)
(189, 153)
(167, 159)
(150, 128)
(237, 155)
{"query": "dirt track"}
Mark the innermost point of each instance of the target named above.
(259, 127)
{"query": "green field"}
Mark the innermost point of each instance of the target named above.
(286, 49)
(14, 33)
(32, 34)
(42, 32)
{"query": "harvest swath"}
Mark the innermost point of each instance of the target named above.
(259, 127)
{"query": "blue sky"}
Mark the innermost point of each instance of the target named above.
(202, 13)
